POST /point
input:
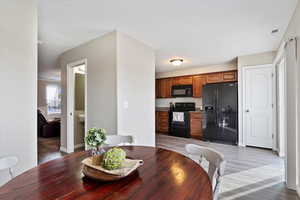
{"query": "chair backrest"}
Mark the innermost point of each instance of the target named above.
(117, 140)
(216, 162)
(8, 162)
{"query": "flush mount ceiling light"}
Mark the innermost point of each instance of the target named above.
(275, 31)
(176, 62)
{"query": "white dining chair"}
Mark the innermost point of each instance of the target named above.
(216, 165)
(118, 140)
(8, 162)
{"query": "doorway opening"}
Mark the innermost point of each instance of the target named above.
(76, 109)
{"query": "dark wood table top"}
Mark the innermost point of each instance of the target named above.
(164, 175)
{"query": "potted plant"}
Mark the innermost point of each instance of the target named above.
(95, 139)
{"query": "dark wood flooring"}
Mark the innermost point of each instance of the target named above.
(251, 173)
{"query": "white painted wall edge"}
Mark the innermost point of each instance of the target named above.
(298, 190)
(63, 149)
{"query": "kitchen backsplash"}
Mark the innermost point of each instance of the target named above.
(166, 102)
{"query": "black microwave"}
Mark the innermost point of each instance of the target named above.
(182, 91)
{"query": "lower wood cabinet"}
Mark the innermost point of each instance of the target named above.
(162, 121)
(196, 125)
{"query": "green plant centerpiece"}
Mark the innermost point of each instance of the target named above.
(113, 158)
(95, 139)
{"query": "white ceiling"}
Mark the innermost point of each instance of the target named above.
(202, 32)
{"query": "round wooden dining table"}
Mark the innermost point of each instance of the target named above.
(164, 175)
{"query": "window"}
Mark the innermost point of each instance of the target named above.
(53, 99)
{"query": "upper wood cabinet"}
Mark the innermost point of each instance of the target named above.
(214, 78)
(198, 82)
(229, 76)
(164, 88)
(183, 80)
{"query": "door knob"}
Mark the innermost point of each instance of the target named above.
(247, 110)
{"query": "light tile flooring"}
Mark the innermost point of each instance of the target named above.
(251, 173)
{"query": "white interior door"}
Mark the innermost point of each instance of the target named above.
(258, 105)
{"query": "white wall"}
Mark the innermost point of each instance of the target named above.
(136, 90)
(249, 60)
(292, 91)
(119, 70)
(18, 83)
(197, 70)
(101, 83)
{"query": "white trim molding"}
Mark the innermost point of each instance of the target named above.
(298, 190)
(63, 149)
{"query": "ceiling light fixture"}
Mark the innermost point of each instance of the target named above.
(275, 31)
(176, 62)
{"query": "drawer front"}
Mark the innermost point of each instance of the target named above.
(194, 115)
(163, 114)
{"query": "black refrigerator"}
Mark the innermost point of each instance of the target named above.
(220, 117)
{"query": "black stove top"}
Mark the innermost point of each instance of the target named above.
(184, 107)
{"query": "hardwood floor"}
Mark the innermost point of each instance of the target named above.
(48, 149)
(251, 173)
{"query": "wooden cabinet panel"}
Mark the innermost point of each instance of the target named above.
(198, 82)
(184, 80)
(168, 88)
(164, 88)
(158, 88)
(229, 76)
(162, 121)
(214, 78)
(196, 125)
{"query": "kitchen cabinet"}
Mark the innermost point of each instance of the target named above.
(183, 80)
(198, 82)
(164, 88)
(162, 121)
(214, 77)
(196, 125)
(164, 85)
(229, 76)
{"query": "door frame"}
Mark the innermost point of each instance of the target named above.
(70, 102)
(242, 133)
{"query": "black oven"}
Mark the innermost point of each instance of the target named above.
(182, 91)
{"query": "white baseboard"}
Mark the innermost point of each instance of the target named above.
(298, 190)
(63, 149)
(79, 146)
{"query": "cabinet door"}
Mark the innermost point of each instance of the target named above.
(163, 122)
(168, 88)
(214, 78)
(184, 80)
(157, 88)
(162, 88)
(198, 82)
(196, 125)
(229, 76)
